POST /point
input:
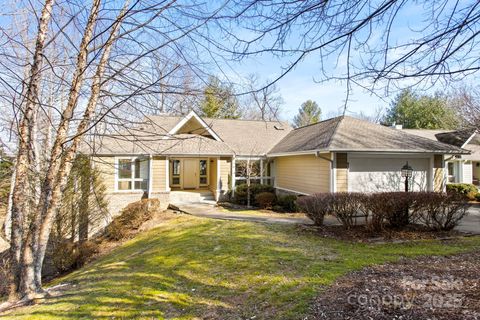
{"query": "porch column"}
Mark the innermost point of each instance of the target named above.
(261, 171)
(150, 175)
(219, 187)
(233, 176)
(167, 174)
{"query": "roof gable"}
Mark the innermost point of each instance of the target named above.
(192, 123)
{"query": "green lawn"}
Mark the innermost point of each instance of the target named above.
(196, 268)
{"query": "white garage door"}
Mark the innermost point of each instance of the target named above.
(368, 174)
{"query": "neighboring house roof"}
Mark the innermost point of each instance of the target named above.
(158, 135)
(468, 139)
(345, 133)
(180, 144)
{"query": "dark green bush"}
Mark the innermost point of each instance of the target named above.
(265, 200)
(467, 190)
(131, 218)
(240, 196)
(477, 196)
(288, 203)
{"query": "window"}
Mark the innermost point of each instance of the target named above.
(203, 172)
(451, 172)
(132, 174)
(259, 171)
(176, 172)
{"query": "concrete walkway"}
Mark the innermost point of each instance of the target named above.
(469, 224)
(210, 211)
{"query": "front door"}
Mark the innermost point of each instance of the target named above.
(190, 173)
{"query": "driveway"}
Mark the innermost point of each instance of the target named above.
(471, 223)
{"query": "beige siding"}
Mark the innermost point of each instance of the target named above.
(225, 171)
(342, 172)
(439, 173)
(159, 174)
(106, 167)
(303, 174)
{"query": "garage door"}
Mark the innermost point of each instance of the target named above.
(383, 174)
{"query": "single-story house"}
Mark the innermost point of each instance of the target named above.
(460, 168)
(166, 154)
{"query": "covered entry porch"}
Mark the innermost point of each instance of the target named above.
(203, 173)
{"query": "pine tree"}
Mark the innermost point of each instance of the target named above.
(308, 113)
(219, 101)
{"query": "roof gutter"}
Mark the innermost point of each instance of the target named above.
(316, 152)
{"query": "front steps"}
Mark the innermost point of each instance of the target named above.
(191, 196)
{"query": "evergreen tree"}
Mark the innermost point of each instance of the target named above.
(308, 113)
(219, 101)
(415, 111)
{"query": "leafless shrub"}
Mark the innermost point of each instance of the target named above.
(131, 218)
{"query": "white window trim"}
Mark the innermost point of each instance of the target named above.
(132, 179)
(262, 176)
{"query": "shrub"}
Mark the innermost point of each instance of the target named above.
(346, 207)
(288, 203)
(240, 196)
(343, 206)
(439, 211)
(131, 218)
(477, 196)
(377, 205)
(67, 255)
(316, 206)
(265, 200)
(465, 189)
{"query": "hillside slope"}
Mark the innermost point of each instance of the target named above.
(196, 268)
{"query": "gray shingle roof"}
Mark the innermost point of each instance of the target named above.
(240, 137)
(180, 144)
(349, 134)
(244, 137)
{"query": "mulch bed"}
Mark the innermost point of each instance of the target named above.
(437, 288)
(360, 233)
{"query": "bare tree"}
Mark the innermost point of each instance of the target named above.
(466, 100)
(357, 41)
(263, 102)
(102, 77)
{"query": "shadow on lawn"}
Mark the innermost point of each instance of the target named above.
(208, 269)
(194, 267)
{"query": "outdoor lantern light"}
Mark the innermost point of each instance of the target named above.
(407, 173)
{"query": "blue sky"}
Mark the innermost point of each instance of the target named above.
(300, 85)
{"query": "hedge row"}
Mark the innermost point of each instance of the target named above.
(437, 211)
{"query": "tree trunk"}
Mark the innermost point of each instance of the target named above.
(22, 163)
(54, 186)
(31, 283)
